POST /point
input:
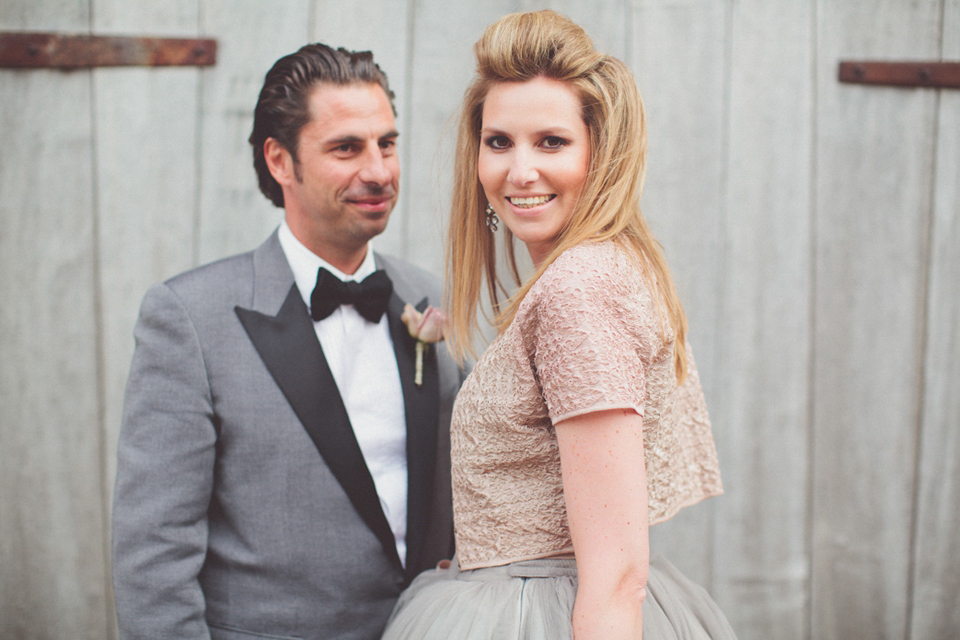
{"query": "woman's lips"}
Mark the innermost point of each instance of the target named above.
(527, 202)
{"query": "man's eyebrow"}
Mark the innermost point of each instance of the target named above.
(351, 139)
(336, 142)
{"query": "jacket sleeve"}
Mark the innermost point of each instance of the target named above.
(165, 466)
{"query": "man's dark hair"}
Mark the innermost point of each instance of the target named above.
(284, 107)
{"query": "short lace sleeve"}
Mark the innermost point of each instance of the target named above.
(588, 338)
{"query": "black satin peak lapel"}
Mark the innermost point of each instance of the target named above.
(289, 348)
(422, 412)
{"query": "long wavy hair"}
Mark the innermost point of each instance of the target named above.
(517, 48)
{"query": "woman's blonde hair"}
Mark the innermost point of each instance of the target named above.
(517, 48)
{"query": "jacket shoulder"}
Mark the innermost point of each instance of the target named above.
(227, 277)
(410, 281)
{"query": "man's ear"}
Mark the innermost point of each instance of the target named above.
(279, 161)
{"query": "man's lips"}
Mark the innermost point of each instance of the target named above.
(372, 202)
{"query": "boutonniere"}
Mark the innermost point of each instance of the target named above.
(426, 328)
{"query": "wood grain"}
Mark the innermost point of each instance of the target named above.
(146, 171)
(52, 537)
(764, 338)
(873, 208)
(936, 550)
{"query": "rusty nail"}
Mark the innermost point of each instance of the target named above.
(33, 50)
(925, 74)
(859, 72)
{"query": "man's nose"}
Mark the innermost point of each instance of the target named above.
(376, 168)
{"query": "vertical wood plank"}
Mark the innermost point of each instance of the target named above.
(384, 29)
(52, 564)
(48, 15)
(146, 173)
(764, 336)
(441, 67)
(874, 155)
(146, 178)
(251, 36)
(678, 56)
(936, 569)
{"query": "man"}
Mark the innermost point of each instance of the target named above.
(280, 473)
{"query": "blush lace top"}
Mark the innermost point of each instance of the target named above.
(587, 337)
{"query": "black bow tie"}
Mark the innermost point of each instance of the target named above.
(369, 298)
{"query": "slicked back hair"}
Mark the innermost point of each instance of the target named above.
(283, 108)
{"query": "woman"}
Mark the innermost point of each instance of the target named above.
(583, 422)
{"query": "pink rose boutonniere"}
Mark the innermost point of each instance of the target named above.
(426, 328)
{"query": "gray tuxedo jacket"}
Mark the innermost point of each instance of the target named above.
(243, 506)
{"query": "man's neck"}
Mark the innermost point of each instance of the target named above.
(348, 263)
(346, 259)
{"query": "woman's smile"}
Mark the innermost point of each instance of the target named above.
(533, 160)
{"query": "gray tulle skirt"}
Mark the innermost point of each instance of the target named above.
(533, 600)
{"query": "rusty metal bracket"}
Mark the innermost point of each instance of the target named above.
(19, 50)
(937, 75)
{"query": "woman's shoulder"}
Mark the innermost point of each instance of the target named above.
(605, 251)
(591, 268)
(594, 278)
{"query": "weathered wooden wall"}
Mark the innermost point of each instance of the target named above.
(813, 228)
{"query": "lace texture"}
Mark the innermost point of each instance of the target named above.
(587, 337)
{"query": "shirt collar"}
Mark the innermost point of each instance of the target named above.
(305, 263)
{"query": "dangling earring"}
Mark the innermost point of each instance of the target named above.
(492, 219)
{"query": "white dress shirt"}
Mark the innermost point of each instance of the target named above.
(361, 357)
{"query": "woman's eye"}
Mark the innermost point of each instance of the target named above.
(497, 142)
(554, 142)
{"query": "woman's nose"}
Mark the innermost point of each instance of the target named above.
(522, 169)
